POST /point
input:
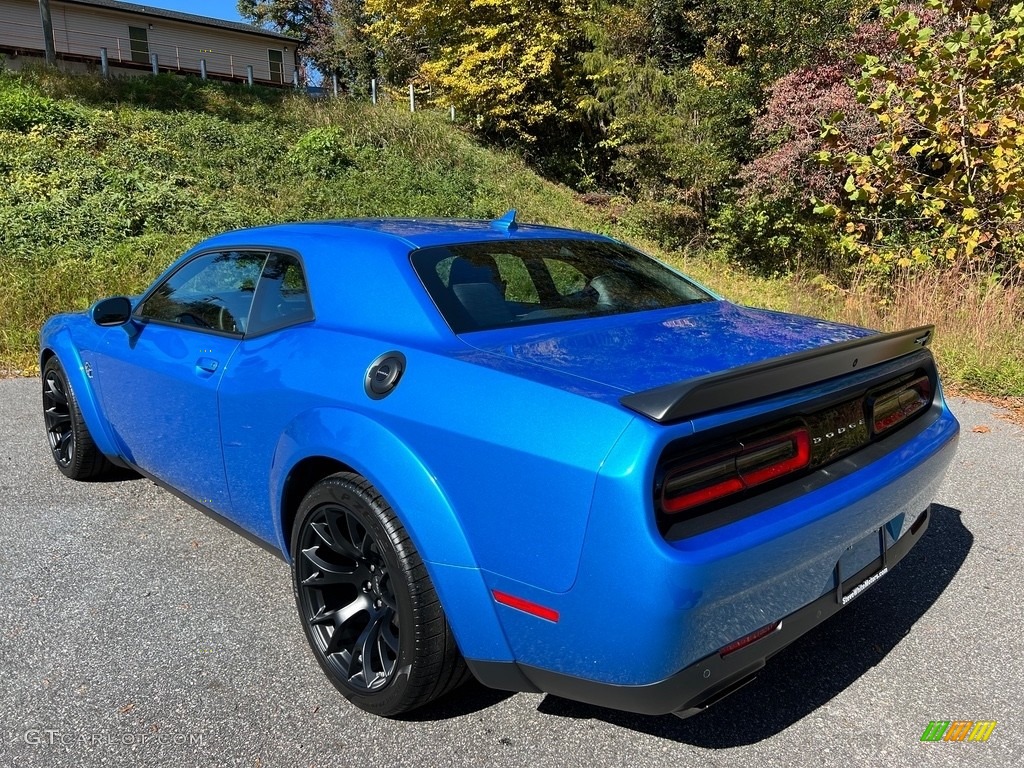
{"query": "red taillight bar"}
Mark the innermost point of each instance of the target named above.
(896, 406)
(736, 470)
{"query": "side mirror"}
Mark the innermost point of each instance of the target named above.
(113, 311)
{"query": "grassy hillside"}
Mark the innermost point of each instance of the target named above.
(103, 183)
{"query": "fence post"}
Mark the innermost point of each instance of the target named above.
(104, 63)
(453, 112)
(373, 91)
(155, 61)
(202, 68)
(334, 81)
(248, 74)
(295, 77)
(48, 45)
(412, 99)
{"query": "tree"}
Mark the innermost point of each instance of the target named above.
(943, 181)
(509, 64)
(330, 34)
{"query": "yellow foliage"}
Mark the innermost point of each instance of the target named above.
(497, 62)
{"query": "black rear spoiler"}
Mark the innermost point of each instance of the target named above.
(714, 391)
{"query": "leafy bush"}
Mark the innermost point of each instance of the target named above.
(775, 235)
(943, 181)
(21, 109)
(323, 152)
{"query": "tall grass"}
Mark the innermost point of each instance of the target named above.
(979, 323)
(979, 319)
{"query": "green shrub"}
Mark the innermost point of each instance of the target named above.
(22, 109)
(323, 152)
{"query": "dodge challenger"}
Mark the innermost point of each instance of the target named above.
(531, 455)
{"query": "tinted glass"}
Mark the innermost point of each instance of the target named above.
(213, 292)
(477, 286)
(282, 298)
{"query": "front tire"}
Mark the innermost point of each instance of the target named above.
(71, 445)
(366, 603)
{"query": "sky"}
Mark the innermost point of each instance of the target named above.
(217, 9)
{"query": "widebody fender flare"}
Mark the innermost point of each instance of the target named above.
(420, 502)
(56, 339)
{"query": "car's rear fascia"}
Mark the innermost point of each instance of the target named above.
(665, 608)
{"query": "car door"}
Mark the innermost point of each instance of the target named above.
(266, 387)
(159, 373)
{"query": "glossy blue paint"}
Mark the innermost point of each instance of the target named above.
(505, 453)
(69, 337)
(664, 346)
(695, 596)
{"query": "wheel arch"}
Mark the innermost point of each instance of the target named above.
(324, 441)
(299, 482)
(59, 344)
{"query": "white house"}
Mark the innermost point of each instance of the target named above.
(131, 34)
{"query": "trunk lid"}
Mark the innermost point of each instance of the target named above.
(640, 351)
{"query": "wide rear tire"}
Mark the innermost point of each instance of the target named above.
(367, 606)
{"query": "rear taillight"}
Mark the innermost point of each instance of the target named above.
(897, 405)
(735, 470)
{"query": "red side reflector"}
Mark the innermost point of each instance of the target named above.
(743, 642)
(525, 605)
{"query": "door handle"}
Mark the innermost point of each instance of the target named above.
(206, 365)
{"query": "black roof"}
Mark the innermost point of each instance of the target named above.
(163, 13)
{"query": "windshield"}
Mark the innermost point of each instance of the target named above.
(478, 286)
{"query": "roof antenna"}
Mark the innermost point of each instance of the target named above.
(506, 222)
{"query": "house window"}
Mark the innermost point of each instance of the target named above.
(276, 66)
(139, 37)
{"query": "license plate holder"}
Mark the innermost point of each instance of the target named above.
(861, 566)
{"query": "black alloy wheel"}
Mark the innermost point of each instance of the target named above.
(366, 603)
(57, 415)
(71, 444)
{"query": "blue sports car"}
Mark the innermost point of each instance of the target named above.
(527, 454)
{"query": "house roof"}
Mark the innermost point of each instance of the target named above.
(190, 18)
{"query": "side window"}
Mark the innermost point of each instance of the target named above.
(282, 298)
(214, 292)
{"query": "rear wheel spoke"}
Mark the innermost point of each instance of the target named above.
(349, 597)
(381, 640)
(326, 573)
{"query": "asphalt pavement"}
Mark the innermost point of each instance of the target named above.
(136, 631)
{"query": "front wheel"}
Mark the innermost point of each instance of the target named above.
(73, 449)
(366, 603)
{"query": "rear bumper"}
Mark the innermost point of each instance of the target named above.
(714, 677)
(642, 627)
